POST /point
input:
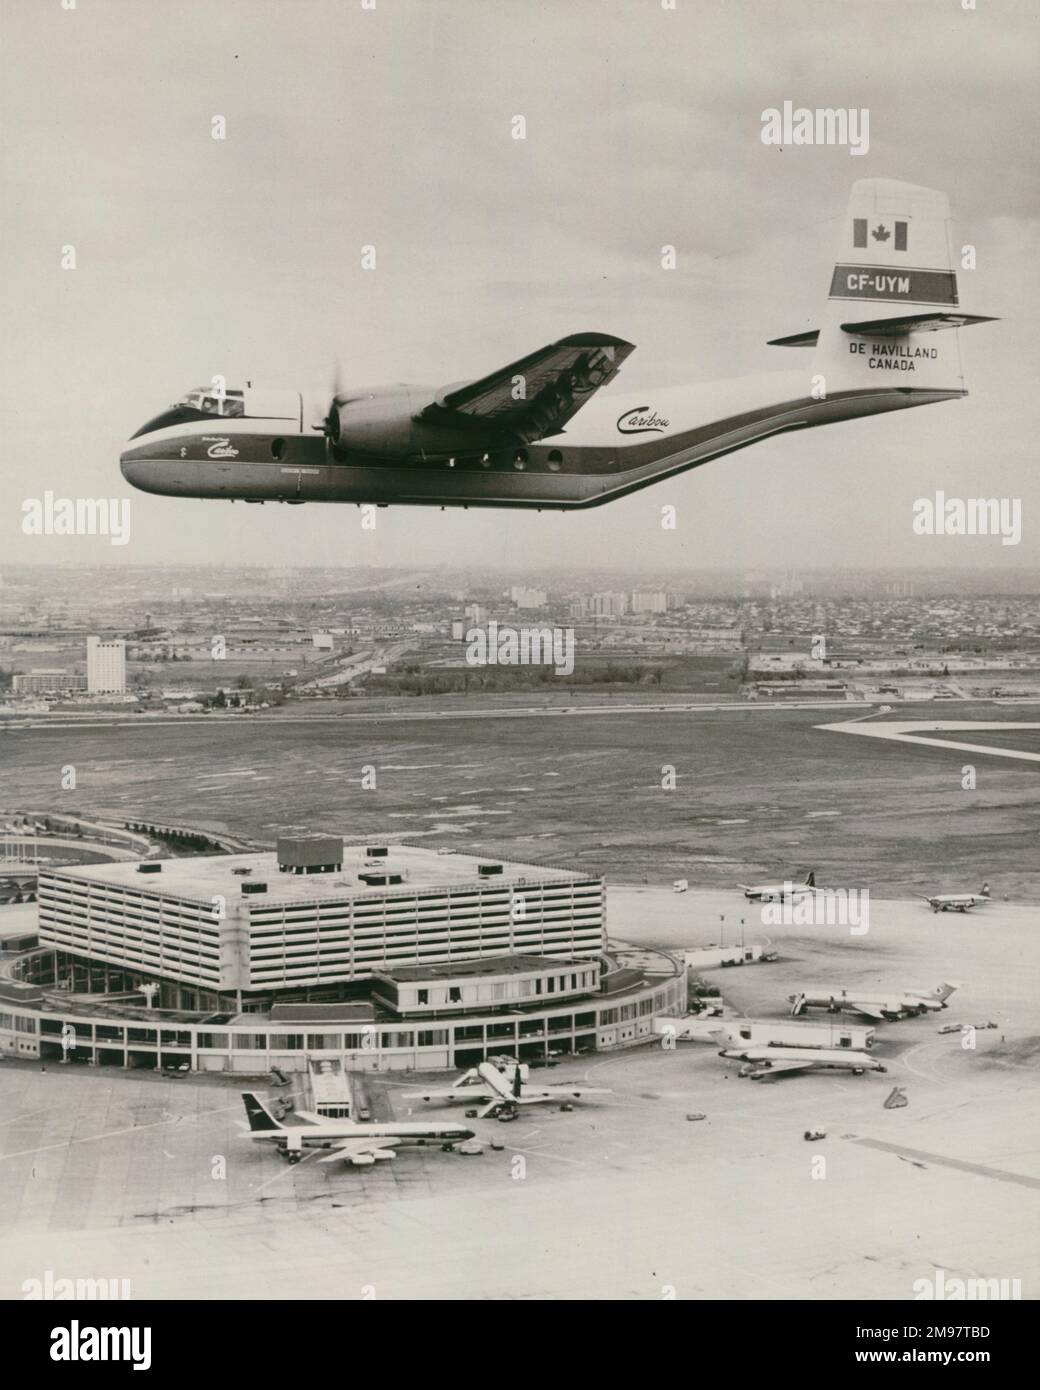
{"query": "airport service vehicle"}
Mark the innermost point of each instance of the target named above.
(898, 1004)
(958, 902)
(779, 892)
(765, 1063)
(558, 428)
(361, 1145)
(503, 1093)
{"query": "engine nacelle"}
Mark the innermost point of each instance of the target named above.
(372, 422)
(385, 424)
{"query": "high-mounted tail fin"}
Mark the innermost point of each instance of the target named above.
(944, 991)
(894, 284)
(810, 879)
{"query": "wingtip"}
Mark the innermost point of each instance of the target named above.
(594, 340)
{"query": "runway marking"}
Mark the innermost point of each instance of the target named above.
(113, 1133)
(15, 1119)
(287, 1169)
(903, 731)
(980, 1170)
(544, 1153)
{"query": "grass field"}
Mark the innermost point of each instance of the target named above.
(757, 791)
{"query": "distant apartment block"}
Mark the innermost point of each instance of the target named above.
(106, 666)
(608, 605)
(40, 681)
(528, 598)
(650, 602)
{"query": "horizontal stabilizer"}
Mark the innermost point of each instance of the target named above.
(796, 339)
(916, 323)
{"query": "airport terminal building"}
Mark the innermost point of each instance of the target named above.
(380, 955)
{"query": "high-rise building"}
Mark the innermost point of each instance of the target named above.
(609, 605)
(524, 597)
(106, 666)
(649, 601)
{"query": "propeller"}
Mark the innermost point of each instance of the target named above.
(329, 426)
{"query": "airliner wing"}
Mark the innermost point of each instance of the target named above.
(347, 1150)
(778, 1069)
(867, 1010)
(535, 396)
(450, 1093)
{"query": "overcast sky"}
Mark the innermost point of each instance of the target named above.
(391, 127)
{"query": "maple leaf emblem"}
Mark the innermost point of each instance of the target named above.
(881, 232)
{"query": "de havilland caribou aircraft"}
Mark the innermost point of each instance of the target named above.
(360, 1144)
(778, 892)
(876, 1006)
(957, 902)
(504, 1093)
(765, 1062)
(559, 429)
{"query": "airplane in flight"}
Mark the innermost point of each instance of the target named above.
(876, 1006)
(957, 902)
(778, 892)
(359, 1144)
(504, 1093)
(558, 428)
(766, 1062)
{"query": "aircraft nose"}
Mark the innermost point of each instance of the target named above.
(145, 474)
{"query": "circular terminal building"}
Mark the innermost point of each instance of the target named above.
(370, 956)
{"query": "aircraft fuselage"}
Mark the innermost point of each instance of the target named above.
(622, 440)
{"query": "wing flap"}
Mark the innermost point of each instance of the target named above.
(536, 395)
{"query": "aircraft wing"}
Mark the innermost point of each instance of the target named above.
(867, 1010)
(535, 396)
(349, 1149)
(778, 1069)
(455, 1093)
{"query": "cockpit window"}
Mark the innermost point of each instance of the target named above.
(203, 403)
(210, 402)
